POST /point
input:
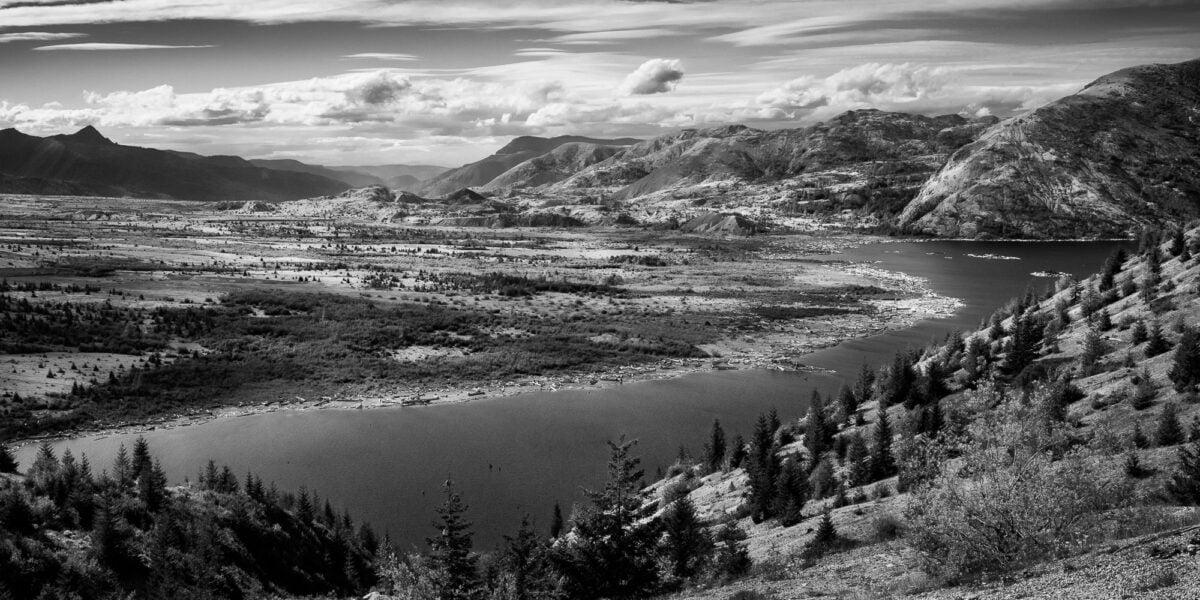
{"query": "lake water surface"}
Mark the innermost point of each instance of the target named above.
(523, 453)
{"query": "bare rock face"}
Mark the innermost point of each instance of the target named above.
(553, 166)
(1122, 152)
(868, 152)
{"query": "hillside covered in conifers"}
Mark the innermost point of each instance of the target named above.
(1056, 448)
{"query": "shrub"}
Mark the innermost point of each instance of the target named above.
(1014, 496)
(886, 527)
(749, 595)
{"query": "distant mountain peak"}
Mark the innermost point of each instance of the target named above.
(87, 135)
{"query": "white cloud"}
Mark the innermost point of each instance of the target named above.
(655, 76)
(37, 36)
(97, 46)
(870, 83)
(617, 36)
(382, 56)
(902, 87)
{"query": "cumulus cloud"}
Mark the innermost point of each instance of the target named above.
(97, 46)
(427, 105)
(655, 76)
(903, 87)
(37, 36)
(867, 84)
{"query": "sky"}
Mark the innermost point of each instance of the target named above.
(367, 82)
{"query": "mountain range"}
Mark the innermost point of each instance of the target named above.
(1122, 152)
(86, 163)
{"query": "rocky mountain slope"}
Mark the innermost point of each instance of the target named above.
(551, 167)
(521, 149)
(88, 163)
(867, 159)
(868, 162)
(1122, 152)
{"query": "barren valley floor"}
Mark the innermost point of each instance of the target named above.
(158, 313)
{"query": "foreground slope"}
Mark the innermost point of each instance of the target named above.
(1052, 443)
(1123, 152)
(87, 163)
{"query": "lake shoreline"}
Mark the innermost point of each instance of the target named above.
(780, 348)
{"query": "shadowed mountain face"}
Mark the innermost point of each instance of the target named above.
(1122, 152)
(350, 176)
(87, 163)
(480, 173)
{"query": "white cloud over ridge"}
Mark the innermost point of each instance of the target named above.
(655, 76)
(382, 56)
(102, 47)
(38, 36)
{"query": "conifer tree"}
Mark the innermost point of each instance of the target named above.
(686, 544)
(737, 452)
(526, 565)
(450, 551)
(732, 558)
(900, 382)
(715, 449)
(858, 460)
(847, 403)
(864, 384)
(821, 481)
(883, 463)
(1139, 333)
(1139, 438)
(141, 456)
(152, 486)
(1094, 349)
(1178, 242)
(972, 360)
(1170, 432)
(826, 534)
(304, 507)
(122, 471)
(763, 469)
(791, 492)
(1184, 485)
(1143, 393)
(1022, 347)
(817, 433)
(1156, 342)
(1185, 368)
(8, 463)
(556, 522)
(1112, 266)
(611, 552)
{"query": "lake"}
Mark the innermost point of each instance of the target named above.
(509, 456)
